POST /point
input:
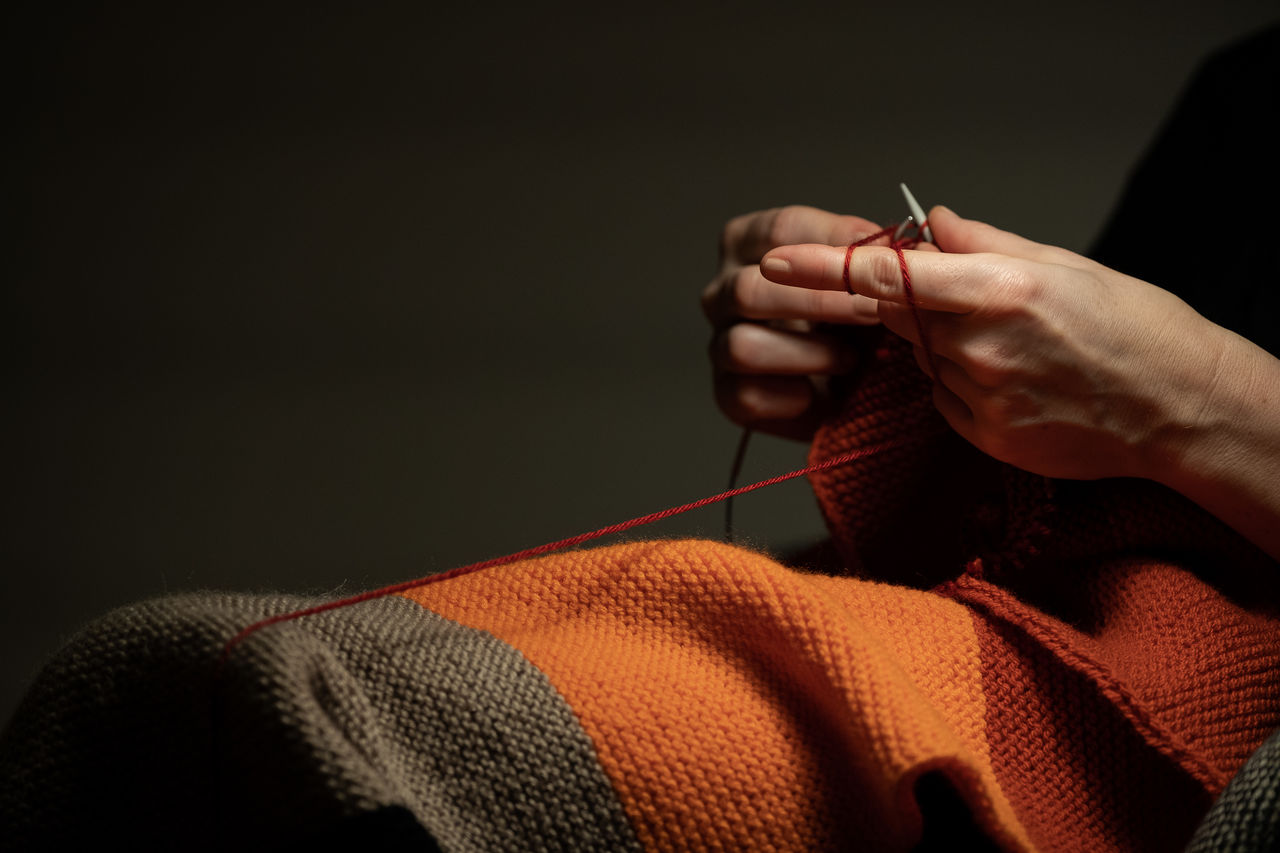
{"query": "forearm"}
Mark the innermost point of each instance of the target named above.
(1228, 461)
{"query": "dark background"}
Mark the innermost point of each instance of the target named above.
(320, 299)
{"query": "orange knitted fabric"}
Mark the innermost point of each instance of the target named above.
(738, 704)
(1092, 663)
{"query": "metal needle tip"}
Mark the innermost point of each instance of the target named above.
(917, 212)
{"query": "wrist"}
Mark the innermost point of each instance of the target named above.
(1226, 458)
(1205, 402)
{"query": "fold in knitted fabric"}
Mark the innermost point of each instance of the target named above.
(1129, 640)
(1045, 665)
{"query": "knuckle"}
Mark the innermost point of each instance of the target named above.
(988, 363)
(753, 403)
(789, 225)
(1015, 285)
(743, 347)
(884, 273)
(743, 292)
(843, 230)
(1004, 411)
(741, 235)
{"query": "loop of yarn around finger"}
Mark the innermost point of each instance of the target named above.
(898, 245)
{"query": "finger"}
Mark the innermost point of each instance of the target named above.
(955, 411)
(940, 281)
(754, 349)
(901, 320)
(969, 236)
(752, 400)
(745, 294)
(948, 371)
(745, 239)
(950, 336)
(949, 400)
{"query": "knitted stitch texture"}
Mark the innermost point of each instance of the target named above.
(1117, 592)
(1057, 666)
(132, 735)
(738, 704)
(1247, 816)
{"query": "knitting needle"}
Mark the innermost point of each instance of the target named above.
(917, 213)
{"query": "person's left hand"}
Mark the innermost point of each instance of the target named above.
(1045, 359)
(774, 347)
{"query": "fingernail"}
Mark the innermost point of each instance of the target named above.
(777, 266)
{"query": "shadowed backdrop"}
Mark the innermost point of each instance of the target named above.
(317, 299)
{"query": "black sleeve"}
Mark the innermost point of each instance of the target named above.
(1215, 162)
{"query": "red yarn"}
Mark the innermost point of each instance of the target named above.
(897, 244)
(555, 546)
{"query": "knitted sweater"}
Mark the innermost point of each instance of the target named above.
(1087, 667)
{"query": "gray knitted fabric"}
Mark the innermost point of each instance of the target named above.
(130, 734)
(1246, 818)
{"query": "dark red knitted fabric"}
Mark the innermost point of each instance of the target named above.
(1130, 641)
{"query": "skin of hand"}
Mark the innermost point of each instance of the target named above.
(1048, 361)
(774, 345)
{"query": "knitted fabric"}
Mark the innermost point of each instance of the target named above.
(737, 704)
(1247, 816)
(132, 735)
(1085, 668)
(1115, 592)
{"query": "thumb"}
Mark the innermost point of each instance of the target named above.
(966, 236)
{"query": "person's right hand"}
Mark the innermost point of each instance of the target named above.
(773, 346)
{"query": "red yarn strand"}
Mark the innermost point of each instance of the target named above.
(898, 245)
(559, 545)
